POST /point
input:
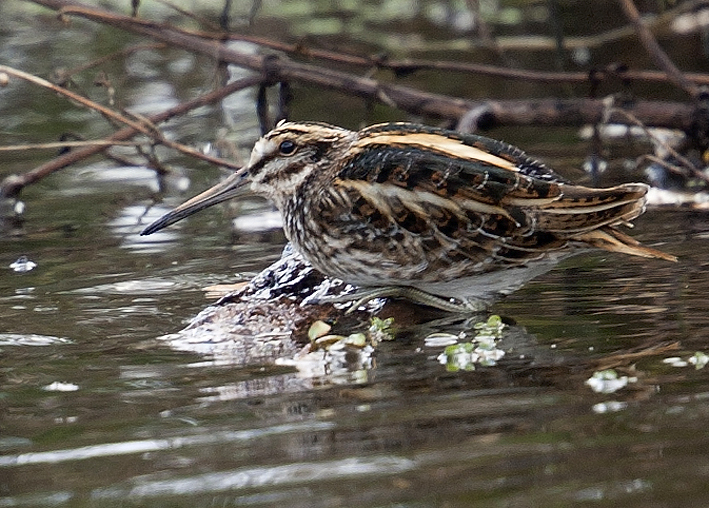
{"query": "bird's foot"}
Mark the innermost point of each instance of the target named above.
(361, 297)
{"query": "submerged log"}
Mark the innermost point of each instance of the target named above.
(269, 317)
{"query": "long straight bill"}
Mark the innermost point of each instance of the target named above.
(223, 191)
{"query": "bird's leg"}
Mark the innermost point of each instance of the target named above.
(362, 296)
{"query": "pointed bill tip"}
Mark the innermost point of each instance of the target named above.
(159, 224)
(223, 191)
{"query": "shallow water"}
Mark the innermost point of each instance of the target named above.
(97, 410)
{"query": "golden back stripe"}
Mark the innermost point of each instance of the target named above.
(437, 143)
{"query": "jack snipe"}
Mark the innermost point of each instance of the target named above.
(442, 218)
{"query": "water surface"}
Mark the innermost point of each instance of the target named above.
(97, 410)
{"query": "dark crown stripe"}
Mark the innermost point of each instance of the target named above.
(308, 130)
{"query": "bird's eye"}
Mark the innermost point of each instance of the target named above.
(286, 147)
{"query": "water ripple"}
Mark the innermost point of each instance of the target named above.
(22, 339)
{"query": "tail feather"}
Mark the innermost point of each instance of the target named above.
(583, 209)
(610, 239)
(576, 196)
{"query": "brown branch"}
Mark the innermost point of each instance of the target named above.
(107, 112)
(655, 51)
(404, 66)
(544, 111)
(172, 34)
(13, 184)
(407, 66)
(413, 65)
(64, 144)
(680, 158)
(65, 74)
(142, 126)
(673, 168)
(575, 112)
(191, 15)
(633, 355)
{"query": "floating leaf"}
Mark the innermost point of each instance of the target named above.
(608, 381)
(23, 264)
(58, 386)
(326, 341)
(356, 339)
(699, 360)
(381, 329)
(439, 339)
(318, 329)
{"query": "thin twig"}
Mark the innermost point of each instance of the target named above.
(199, 19)
(155, 135)
(632, 356)
(673, 168)
(398, 66)
(264, 120)
(682, 159)
(656, 52)
(65, 144)
(66, 73)
(13, 184)
(406, 99)
(413, 65)
(484, 31)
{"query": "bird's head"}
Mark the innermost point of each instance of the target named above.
(281, 163)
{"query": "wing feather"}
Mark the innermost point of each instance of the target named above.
(465, 205)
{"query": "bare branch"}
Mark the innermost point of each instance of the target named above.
(141, 127)
(543, 112)
(65, 144)
(696, 172)
(67, 73)
(13, 184)
(655, 51)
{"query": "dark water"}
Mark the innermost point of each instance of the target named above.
(95, 412)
